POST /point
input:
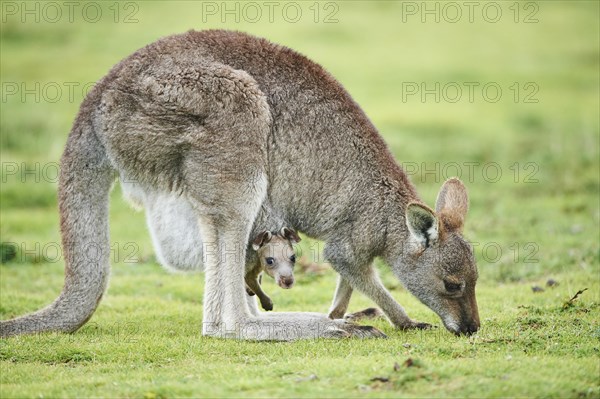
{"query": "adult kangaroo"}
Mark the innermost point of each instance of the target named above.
(222, 121)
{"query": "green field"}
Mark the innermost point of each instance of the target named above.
(510, 102)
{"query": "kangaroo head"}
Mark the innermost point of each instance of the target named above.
(439, 266)
(276, 255)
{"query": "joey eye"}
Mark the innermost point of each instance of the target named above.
(270, 261)
(452, 287)
(293, 258)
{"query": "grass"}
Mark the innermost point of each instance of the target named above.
(539, 220)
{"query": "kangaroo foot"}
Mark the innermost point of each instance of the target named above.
(279, 326)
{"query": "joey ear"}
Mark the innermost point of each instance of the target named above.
(290, 234)
(452, 204)
(422, 223)
(261, 239)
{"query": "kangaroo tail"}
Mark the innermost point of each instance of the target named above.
(86, 177)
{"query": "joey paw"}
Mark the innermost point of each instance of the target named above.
(268, 306)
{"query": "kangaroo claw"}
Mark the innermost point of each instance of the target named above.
(334, 332)
(359, 331)
(367, 332)
(418, 326)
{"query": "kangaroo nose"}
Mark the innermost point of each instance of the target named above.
(471, 328)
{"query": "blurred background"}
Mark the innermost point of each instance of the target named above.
(502, 94)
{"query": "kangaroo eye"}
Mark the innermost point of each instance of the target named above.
(293, 258)
(451, 287)
(270, 261)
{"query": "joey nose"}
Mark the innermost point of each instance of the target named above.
(286, 282)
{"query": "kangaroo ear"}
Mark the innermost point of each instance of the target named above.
(261, 239)
(422, 223)
(452, 204)
(290, 234)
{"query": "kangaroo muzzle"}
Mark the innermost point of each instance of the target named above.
(469, 317)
